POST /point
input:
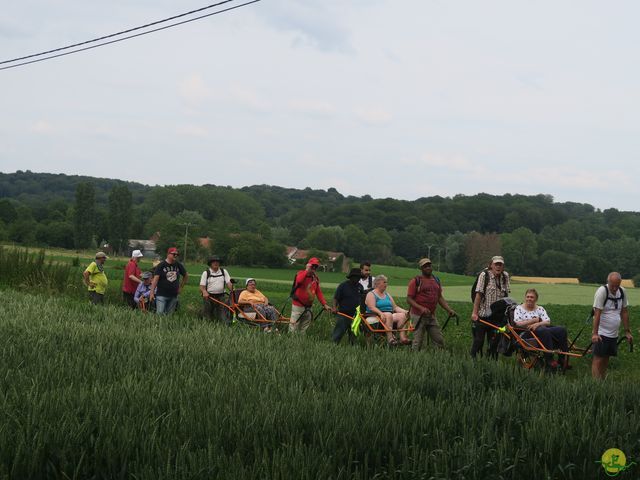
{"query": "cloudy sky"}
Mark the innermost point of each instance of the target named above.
(399, 98)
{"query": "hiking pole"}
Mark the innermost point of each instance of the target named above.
(284, 305)
(317, 315)
(580, 332)
(630, 343)
(455, 315)
(415, 327)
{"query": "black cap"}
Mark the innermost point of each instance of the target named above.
(214, 258)
(355, 272)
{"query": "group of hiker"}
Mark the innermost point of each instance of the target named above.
(365, 297)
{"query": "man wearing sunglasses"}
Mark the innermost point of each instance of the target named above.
(609, 310)
(169, 277)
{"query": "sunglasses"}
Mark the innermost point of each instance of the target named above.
(176, 254)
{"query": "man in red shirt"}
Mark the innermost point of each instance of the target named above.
(424, 294)
(132, 278)
(305, 289)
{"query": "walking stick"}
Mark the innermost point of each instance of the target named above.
(455, 315)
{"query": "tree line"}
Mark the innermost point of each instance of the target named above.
(251, 225)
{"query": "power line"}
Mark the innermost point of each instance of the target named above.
(116, 34)
(123, 32)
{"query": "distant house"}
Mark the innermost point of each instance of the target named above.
(148, 247)
(295, 254)
(204, 242)
(334, 257)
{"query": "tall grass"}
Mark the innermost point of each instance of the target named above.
(21, 268)
(108, 393)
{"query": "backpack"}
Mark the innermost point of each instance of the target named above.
(615, 300)
(294, 287)
(486, 278)
(418, 280)
(209, 275)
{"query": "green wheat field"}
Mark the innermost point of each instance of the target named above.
(93, 393)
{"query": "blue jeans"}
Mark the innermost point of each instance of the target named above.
(166, 305)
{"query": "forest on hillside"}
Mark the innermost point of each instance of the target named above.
(252, 225)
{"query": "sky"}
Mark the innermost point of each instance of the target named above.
(390, 98)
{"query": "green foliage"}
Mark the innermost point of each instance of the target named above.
(118, 394)
(119, 217)
(84, 215)
(326, 238)
(520, 247)
(23, 231)
(250, 249)
(25, 269)
(595, 270)
(559, 264)
(465, 230)
(479, 248)
(8, 212)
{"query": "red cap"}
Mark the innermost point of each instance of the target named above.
(313, 261)
(172, 250)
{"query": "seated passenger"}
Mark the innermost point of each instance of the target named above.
(534, 318)
(141, 297)
(252, 299)
(380, 306)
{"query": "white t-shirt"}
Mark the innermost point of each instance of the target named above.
(365, 283)
(217, 280)
(521, 314)
(611, 308)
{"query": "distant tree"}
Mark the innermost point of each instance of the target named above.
(559, 264)
(622, 252)
(326, 238)
(378, 247)
(479, 249)
(520, 250)
(455, 254)
(281, 234)
(595, 270)
(8, 213)
(355, 242)
(119, 217)
(23, 231)
(56, 234)
(410, 243)
(297, 233)
(84, 215)
(158, 223)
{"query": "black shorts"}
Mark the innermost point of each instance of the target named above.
(608, 347)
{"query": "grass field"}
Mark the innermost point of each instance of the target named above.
(108, 393)
(91, 392)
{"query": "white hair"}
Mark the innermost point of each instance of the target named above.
(378, 279)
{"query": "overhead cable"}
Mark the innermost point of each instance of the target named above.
(14, 65)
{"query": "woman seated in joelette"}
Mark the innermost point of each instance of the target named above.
(380, 306)
(534, 318)
(253, 299)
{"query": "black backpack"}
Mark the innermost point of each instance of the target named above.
(503, 277)
(418, 280)
(615, 300)
(209, 275)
